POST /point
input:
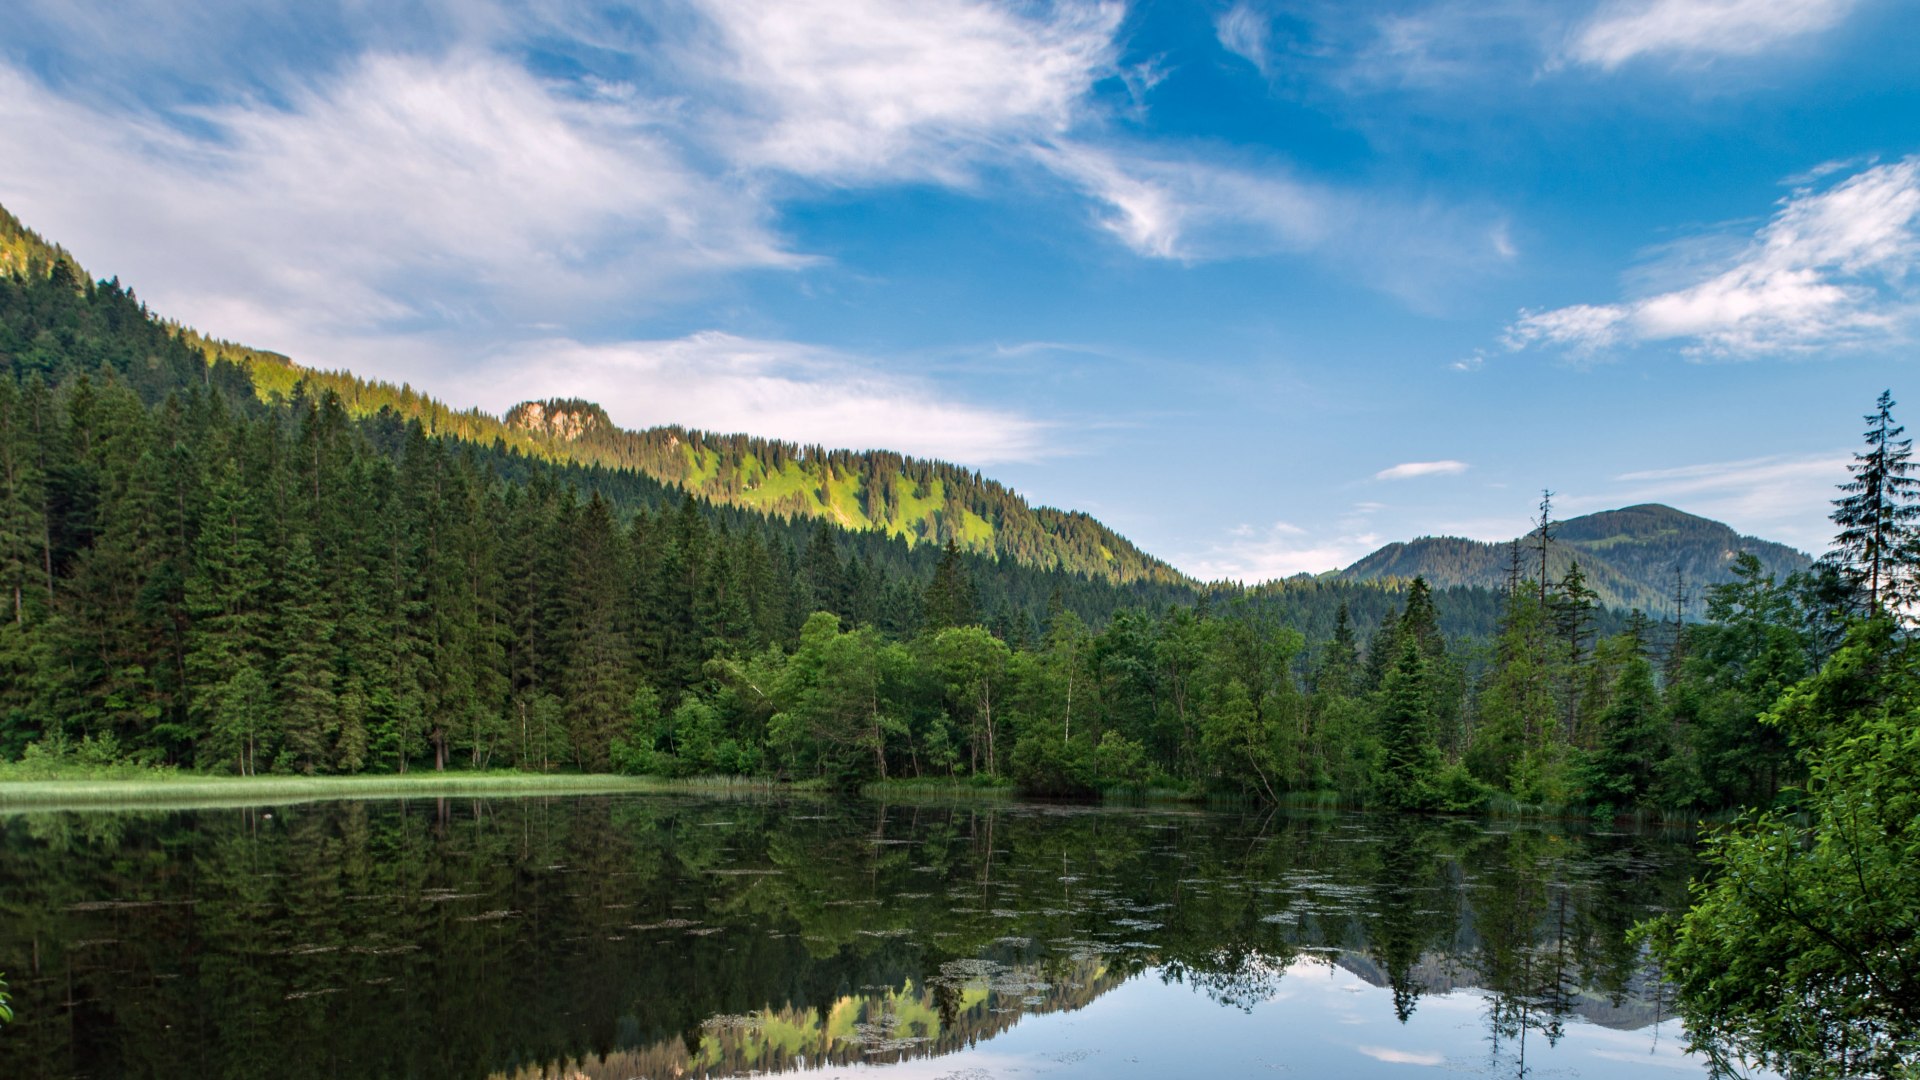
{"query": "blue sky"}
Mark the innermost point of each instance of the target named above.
(1261, 284)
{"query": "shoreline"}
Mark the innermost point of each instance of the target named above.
(159, 790)
(194, 791)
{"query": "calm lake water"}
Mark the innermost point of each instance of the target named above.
(618, 937)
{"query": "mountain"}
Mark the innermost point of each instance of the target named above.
(1629, 557)
(917, 500)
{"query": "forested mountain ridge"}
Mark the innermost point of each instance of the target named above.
(1634, 557)
(916, 499)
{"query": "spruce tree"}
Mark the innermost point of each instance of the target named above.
(226, 658)
(950, 598)
(1411, 760)
(22, 508)
(599, 676)
(1878, 545)
(1632, 742)
(303, 649)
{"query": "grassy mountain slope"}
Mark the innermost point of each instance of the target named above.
(1628, 556)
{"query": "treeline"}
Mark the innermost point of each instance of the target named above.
(194, 585)
(194, 577)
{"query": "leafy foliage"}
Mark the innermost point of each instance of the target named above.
(1802, 950)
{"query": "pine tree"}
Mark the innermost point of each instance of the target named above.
(951, 599)
(1878, 546)
(1543, 532)
(1411, 759)
(824, 575)
(1632, 741)
(22, 508)
(720, 610)
(1338, 659)
(599, 676)
(303, 673)
(226, 653)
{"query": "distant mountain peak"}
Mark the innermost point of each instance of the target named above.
(1629, 556)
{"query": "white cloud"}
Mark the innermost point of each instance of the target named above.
(1626, 29)
(414, 172)
(1402, 1057)
(1412, 470)
(1446, 45)
(1780, 497)
(1447, 50)
(1243, 31)
(857, 90)
(1191, 209)
(1281, 550)
(400, 191)
(1831, 268)
(778, 389)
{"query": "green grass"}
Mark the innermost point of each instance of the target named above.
(769, 486)
(130, 787)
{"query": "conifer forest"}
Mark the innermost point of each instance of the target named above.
(967, 539)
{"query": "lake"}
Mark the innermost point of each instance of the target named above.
(649, 936)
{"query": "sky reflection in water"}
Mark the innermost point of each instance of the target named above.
(624, 937)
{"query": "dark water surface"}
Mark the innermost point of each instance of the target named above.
(617, 937)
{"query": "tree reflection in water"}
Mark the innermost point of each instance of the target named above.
(655, 937)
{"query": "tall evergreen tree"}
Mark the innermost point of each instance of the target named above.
(951, 598)
(1411, 759)
(1878, 545)
(599, 679)
(302, 634)
(227, 656)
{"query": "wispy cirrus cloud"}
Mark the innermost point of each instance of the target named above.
(1832, 267)
(1194, 209)
(1626, 30)
(426, 193)
(1243, 30)
(1450, 48)
(462, 175)
(1783, 497)
(1413, 470)
(397, 192)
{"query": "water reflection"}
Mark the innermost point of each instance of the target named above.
(623, 937)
